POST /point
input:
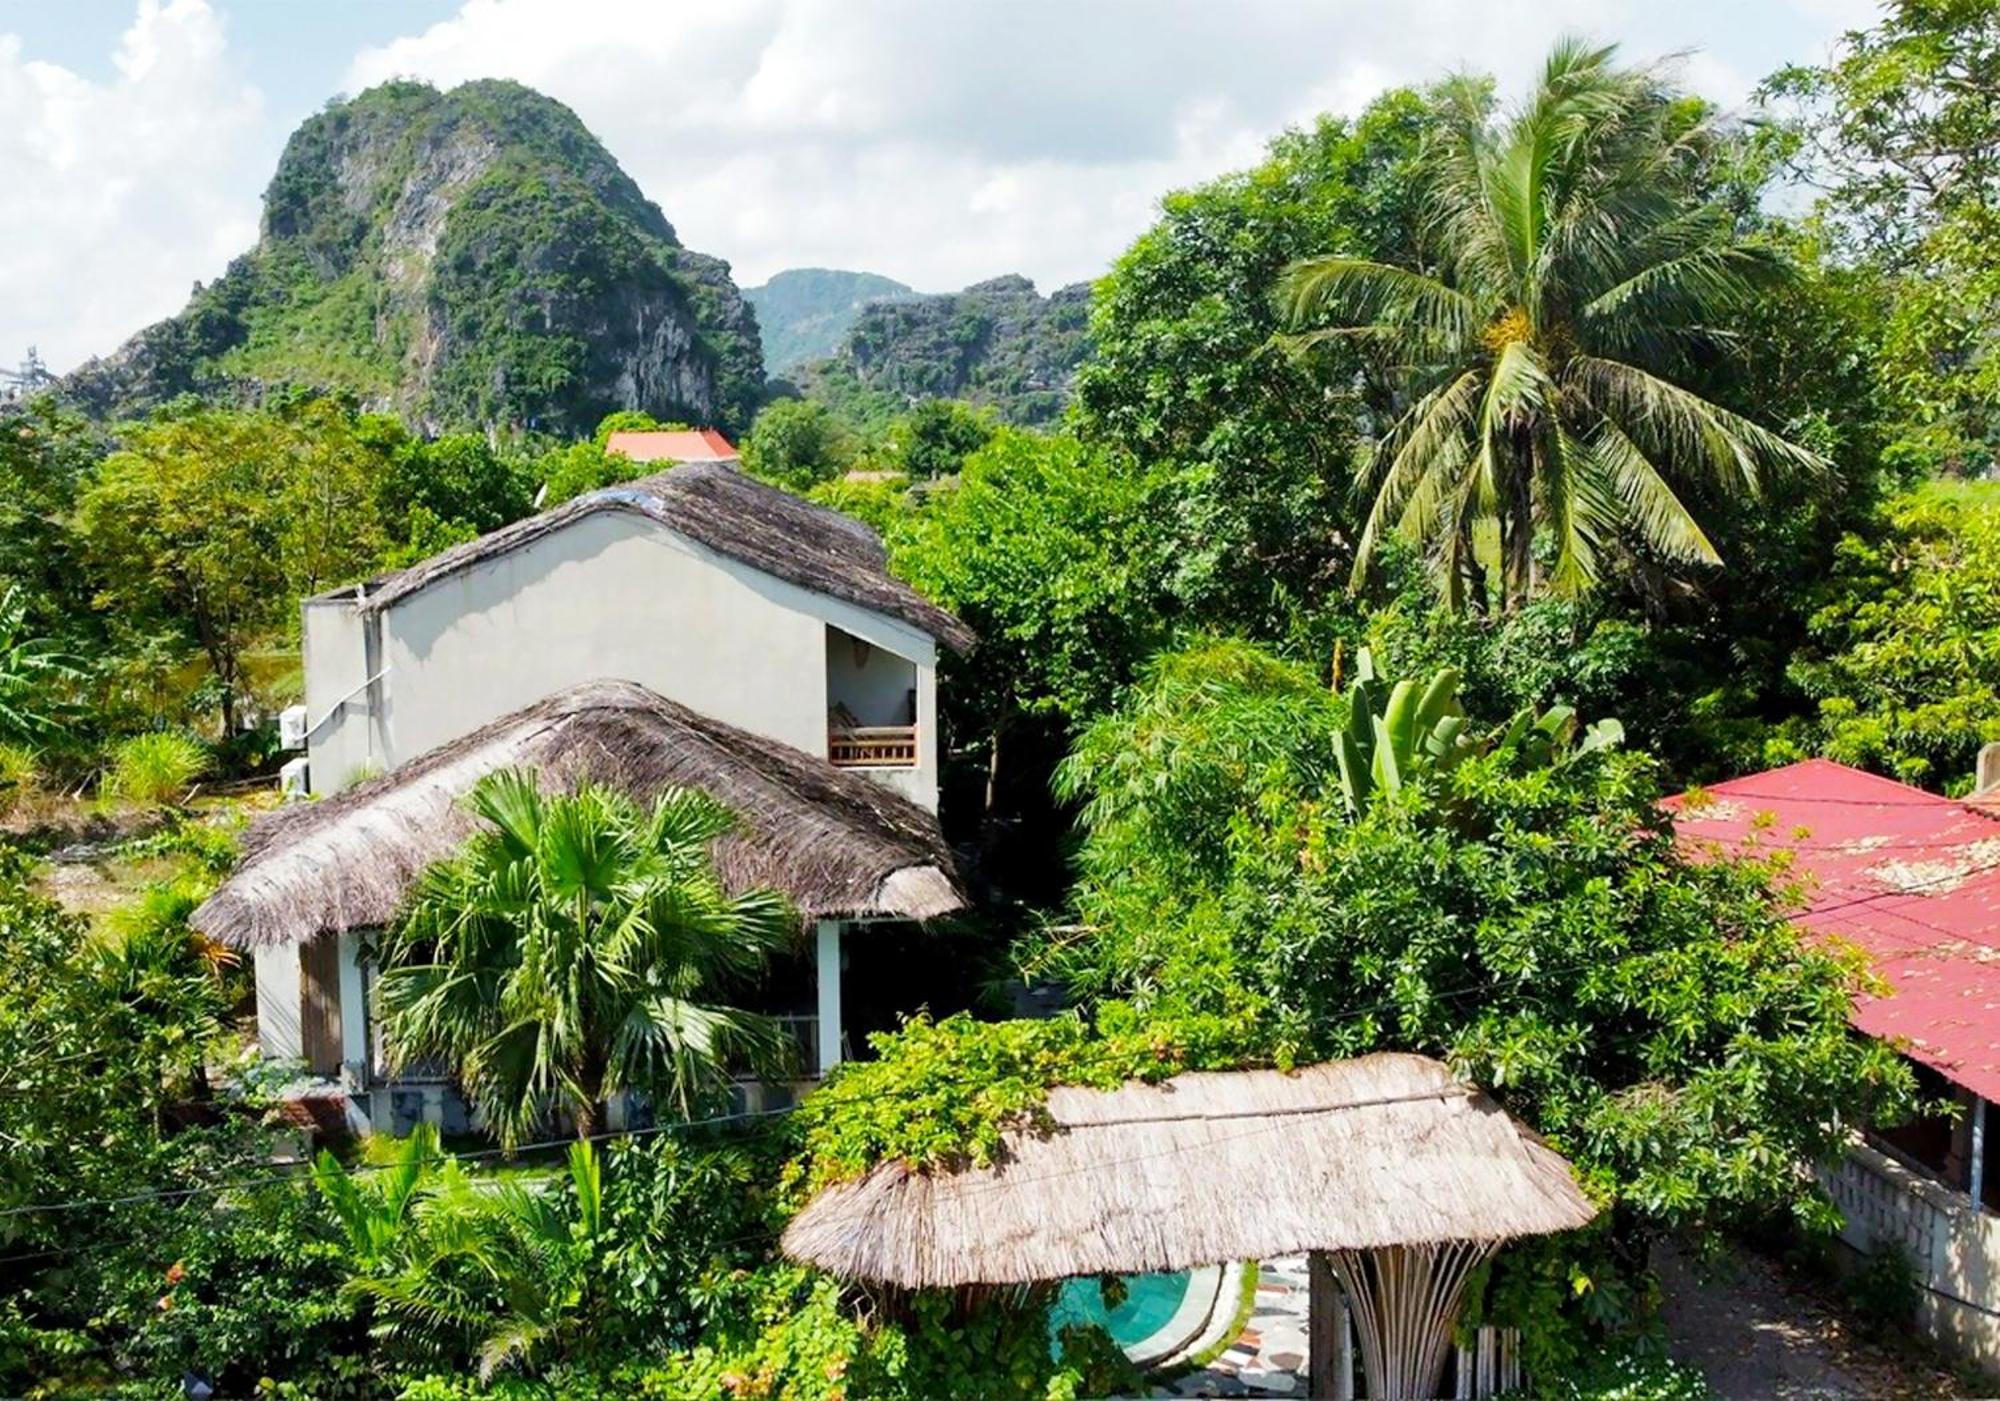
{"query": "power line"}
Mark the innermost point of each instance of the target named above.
(297, 1173)
(1353, 1016)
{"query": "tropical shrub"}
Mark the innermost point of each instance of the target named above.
(104, 1050)
(501, 1272)
(154, 770)
(30, 668)
(1532, 923)
(19, 776)
(942, 1093)
(1623, 1375)
(574, 949)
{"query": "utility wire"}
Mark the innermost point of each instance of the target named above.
(1353, 1016)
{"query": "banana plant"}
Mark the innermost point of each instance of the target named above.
(1399, 733)
(1393, 739)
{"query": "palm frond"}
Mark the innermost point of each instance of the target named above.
(1359, 292)
(1684, 429)
(1429, 443)
(1658, 515)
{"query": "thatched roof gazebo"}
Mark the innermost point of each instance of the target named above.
(1397, 1177)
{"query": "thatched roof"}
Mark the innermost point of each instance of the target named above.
(716, 505)
(839, 844)
(1385, 1150)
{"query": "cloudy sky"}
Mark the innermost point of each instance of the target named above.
(936, 142)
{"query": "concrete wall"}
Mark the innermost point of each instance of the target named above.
(1954, 1246)
(342, 745)
(278, 991)
(609, 596)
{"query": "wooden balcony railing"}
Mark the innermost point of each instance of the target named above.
(873, 747)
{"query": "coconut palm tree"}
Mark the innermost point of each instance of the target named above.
(1575, 275)
(574, 948)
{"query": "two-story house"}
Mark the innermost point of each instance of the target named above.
(692, 628)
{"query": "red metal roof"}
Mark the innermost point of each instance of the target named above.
(672, 445)
(1910, 877)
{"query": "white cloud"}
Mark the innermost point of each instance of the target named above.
(939, 143)
(120, 193)
(946, 143)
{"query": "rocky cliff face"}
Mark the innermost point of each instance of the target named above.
(469, 259)
(998, 342)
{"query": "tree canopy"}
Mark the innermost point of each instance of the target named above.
(1578, 269)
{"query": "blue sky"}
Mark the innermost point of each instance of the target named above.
(939, 143)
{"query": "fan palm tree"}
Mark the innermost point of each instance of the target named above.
(573, 949)
(1577, 273)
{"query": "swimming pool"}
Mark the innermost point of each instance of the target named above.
(1158, 1315)
(1150, 1302)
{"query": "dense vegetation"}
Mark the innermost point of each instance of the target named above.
(471, 258)
(1618, 513)
(998, 343)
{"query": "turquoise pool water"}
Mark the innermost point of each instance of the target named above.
(1150, 1300)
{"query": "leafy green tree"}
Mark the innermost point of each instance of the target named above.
(573, 950)
(458, 479)
(1903, 657)
(1253, 453)
(214, 523)
(46, 456)
(936, 436)
(796, 443)
(627, 421)
(1041, 547)
(1901, 132)
(1900, 126)
(1577, 272)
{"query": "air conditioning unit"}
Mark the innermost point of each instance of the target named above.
(292, 727)
(295, 780)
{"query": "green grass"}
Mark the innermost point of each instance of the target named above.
(154, 770)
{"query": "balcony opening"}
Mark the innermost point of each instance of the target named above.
(871, 705)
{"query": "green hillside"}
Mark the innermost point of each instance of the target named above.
(805, 313)
(998, 343)
(470, 258)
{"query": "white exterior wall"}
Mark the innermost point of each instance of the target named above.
(610, 596)
(342, 745)
(278, 996)
(920, 784)
(1953, 1244)
(354, 1057)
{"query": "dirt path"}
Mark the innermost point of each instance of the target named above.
(1758, 1336)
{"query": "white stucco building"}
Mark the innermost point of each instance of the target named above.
(694, 627)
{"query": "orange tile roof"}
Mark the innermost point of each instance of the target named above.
(673, 445)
